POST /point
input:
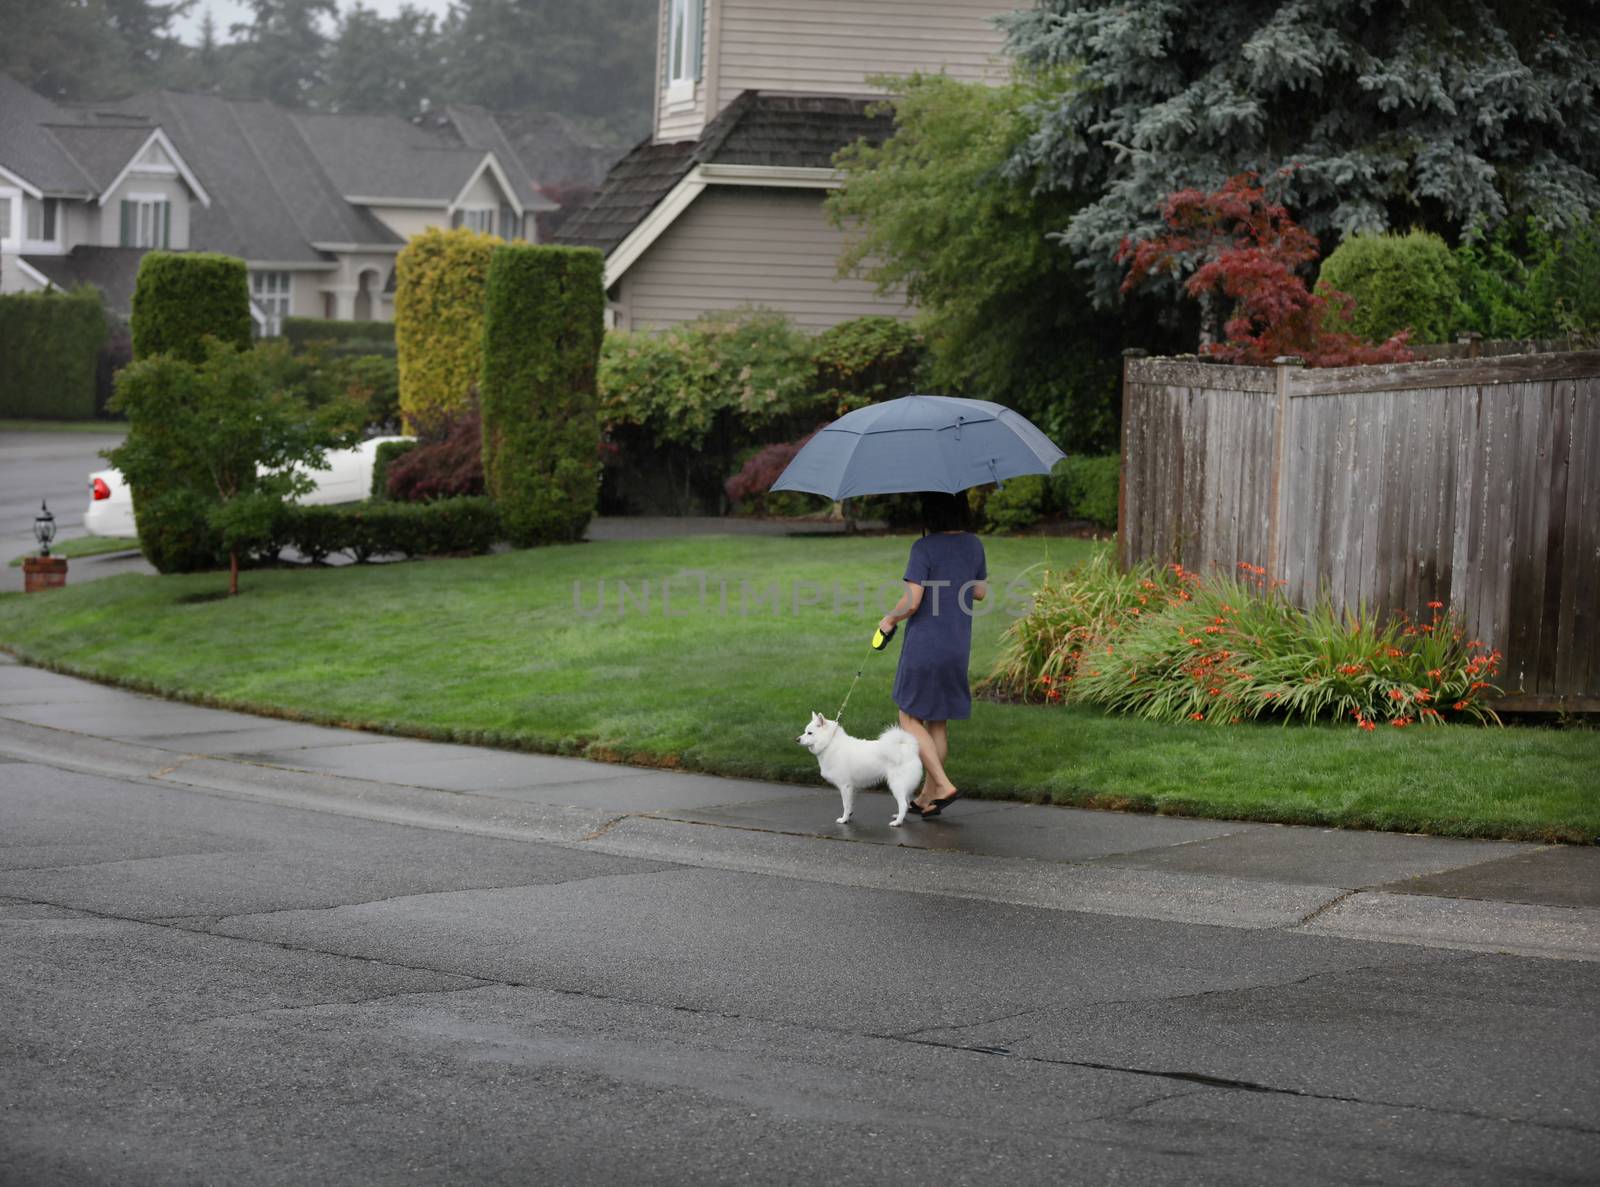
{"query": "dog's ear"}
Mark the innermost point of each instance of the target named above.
(817, 717)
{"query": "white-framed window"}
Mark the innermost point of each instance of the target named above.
(683, 48)
(476, 219)
(10, 217)
(271, 293)
(146, 221)
(44, 220)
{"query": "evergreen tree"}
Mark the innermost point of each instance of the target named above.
(282, 54)
(383, 64)
(1362, 115)
(63, 49)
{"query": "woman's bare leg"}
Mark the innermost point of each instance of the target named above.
(936, 784)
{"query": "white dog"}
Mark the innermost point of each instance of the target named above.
(849, 763)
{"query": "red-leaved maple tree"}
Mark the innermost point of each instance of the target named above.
(1248, 251)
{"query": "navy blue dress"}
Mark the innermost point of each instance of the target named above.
(931, 681)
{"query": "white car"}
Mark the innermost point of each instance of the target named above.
(347, 478)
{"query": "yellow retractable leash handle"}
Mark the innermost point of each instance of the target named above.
(881, 640)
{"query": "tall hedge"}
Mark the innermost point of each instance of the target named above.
(543, 321)
(438, 316)
(1398, 282)
(49, 351)
(180, 297)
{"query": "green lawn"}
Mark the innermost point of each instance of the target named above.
(493, 650)
(85, 546)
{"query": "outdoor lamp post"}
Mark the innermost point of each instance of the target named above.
(44, 528)
(43, 571)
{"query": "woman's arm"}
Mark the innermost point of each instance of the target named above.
(903, 609)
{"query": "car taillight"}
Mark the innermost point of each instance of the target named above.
(101, 490)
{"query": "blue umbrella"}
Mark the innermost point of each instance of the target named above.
(918, 443)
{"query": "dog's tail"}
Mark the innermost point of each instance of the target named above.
(905, 746)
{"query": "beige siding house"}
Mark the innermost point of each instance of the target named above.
(722, 206)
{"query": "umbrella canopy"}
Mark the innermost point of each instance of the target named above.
(918, 443)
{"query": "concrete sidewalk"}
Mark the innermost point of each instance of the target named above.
(1435, 892)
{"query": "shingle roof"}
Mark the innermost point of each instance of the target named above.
(41, 161)
(757, 128)
(383, 156)
(271, 198)
(554, 151)
(112, 270)
(480, 128)
(101, 152)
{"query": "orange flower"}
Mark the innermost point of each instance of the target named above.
(1396, 695)
(1435, 605)
(1435, 672)
(1197, 717)
(1214, 691)
(1400, 723)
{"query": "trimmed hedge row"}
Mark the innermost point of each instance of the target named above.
(445, 527)
(544, 317)
(49, 354)
(180, 297)
(438, 321)
(371, 337)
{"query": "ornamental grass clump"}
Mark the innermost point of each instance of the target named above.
(1168, 644)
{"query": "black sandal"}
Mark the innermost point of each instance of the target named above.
(937, 806)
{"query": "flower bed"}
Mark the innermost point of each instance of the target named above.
(1170, 644)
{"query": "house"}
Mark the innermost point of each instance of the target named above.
(317, 205)
(722, 205)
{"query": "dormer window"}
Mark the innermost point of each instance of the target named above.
(146, 221)
(683, 48)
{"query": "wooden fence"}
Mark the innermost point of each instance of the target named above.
(1474, 482)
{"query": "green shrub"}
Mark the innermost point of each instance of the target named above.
(373, 382)
(1524, 282)
(544, 318)
(679, 408)
(381, 459)
(1087, 488)
(340, 337)
(438, 320)
(1167, 644)
(1398, 282)
(181, 297)
(866, 360)
(444, 527)
(49, 351)
(1018, 503)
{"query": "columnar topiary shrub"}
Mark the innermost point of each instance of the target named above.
(543, 321)
(1398, 282)
(438, 320)
(180, 297)
(49, 344)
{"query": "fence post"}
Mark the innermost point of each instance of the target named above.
(1130, 356)
(1284, 366)
(1473, 341)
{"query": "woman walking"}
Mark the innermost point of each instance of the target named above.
(945, 575)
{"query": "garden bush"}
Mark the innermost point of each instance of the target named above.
(1167, 644)
(446, 462)
(544, 318)
(371, 381)
(50, 346)
(179, 298)
(679, 408)
(438, 320)
(1019, 503)
(340, 337)
(866, 360)
(1398, 282)
(383, 457)
(444, 527)
(1524, 282)
(750, 490)
(1088, 488)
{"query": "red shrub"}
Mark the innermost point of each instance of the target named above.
(756, 476)
(448, 461)
(1249, 251)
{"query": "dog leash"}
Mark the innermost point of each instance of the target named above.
(880, 640)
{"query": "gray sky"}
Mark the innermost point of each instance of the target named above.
(230, 12)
